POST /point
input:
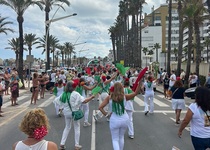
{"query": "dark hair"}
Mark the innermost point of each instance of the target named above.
(69, 87)
(108, 77)
(202, 98)
(81, 80)
(60, 81)
(178, 83)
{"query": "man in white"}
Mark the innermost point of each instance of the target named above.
(172, 79)
(182, 76)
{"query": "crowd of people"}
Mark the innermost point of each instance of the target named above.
(73, 91)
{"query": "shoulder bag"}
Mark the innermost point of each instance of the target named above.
(174, 92)
(75, 114)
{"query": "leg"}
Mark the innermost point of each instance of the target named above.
(130, 124)
(121, 136)
(77, 131)
(146, 109)
(178, 112)
(151, 103)
(115, 138)
(66, 129)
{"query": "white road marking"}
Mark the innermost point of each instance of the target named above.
(161, 111)
(159, 103)
(47, 102)
(9, 102)
(93, 133)
(138, 101)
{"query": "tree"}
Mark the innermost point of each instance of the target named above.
(156, 47)
(20, 7)
(207, 44)
(48, 6)
(30, 40)
(169, 36)
(112, 31)
(175, 51)
(53, 45)
(69, 49)
(181, 29)
(15, 46)
(188, 22)
(62, 51)
(3, 25)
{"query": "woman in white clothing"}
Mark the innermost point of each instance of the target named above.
(129, 108)
(82, 89)
(198, 114)
(119, 118)
(57, 91)
(75, 100)
(149, 95)
(35, 125)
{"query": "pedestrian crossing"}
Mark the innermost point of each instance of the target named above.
(25, 101)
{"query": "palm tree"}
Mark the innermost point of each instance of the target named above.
(69, 48)
(169, 36)
(112, 31)
(188, 22)
(181, 29)
(53, 45)
(198, 21)
(15, 46)
(156, 47)
(175, 51)
(48, 6)
(30, 40)
(207, 44)
(20, 7)
(62, 48)
(145, 50)
(3, 25)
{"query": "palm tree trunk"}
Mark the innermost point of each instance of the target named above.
(198, 51)
(189, 52)
(53, 58)
(20, 65)
(169, 37)
(180, 38)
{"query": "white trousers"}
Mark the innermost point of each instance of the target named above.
(68, 122)
(118, 127)
(130, 123)
(101, 99)
(149, 96)
(57, 107)
(85, 109)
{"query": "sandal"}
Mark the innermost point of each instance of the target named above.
(62, 147)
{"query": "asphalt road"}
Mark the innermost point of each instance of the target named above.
(152, 132)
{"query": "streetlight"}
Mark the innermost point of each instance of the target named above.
(47, 23)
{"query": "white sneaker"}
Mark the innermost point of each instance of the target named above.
(95, 117)
(86, 124)
(78, 147)
(131, 136)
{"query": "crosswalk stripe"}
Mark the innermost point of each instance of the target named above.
(47, 102)
(159, 103)
(138, 101)
(9, 102)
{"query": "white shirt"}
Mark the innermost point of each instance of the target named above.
(41, 145)
(197, 123)
(129, 103)
(194, 79)
(62, 77)
(53, 77)
(90, 80)
(59, 91)
(171, 83)
(148, 89)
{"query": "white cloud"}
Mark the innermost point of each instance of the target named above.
(91, 24)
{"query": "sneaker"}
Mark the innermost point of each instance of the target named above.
(59, 113)
(78, 147)
(131, 136)
(62, 147)
(95, 117)
(86, 124)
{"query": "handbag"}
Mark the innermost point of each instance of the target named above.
(76, 114)
(20, 84)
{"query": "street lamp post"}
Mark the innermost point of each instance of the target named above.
(47, 49)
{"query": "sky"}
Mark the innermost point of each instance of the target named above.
(88, 30)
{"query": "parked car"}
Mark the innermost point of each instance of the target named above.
(190, 92)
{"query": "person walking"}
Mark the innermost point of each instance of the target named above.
(35, 125)
(178, 102)
(129, 108)
(71, 98)
(57, 91)
(82, 89)
(149, 95)
(166, 85)
(7, 78)
(119, 118)
(14, 89)
(198, 114)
